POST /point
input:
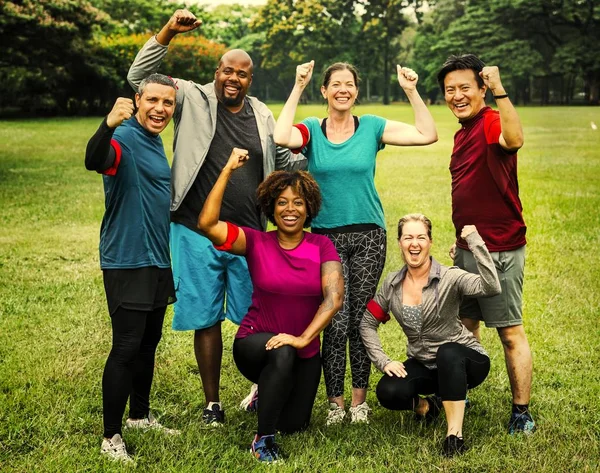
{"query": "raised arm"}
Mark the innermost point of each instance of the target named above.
(332, 284)
(148, 59)
(423, 132)
(511, 138)
(285, 133)
(99, 154)
(486, 283)
(209, 224)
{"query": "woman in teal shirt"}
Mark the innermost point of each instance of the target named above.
(341, 151)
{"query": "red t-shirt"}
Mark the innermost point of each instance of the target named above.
(485, 189)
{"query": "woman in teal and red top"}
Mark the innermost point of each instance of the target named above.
(341, 150)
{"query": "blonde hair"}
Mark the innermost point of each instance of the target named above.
(415, 218)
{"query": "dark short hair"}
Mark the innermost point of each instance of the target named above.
(156, 79)
(415, 218)
(461, 63)
(302, 183)
(340, 66)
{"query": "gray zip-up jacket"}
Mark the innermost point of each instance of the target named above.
(439, 307)
(195, 120)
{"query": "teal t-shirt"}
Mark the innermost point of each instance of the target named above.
(135, 227)
(345, 173)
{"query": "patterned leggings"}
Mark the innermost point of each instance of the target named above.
(363, 259)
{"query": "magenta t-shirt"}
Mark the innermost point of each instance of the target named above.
(286, 285)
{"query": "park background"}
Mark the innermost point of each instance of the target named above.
(66, 61)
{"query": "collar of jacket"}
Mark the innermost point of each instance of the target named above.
(434, 278)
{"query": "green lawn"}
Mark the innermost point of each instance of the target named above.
(55, 331)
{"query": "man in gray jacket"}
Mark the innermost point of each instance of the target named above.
(211, 120)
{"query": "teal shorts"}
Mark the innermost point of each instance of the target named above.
(210, 285)
(505, 309)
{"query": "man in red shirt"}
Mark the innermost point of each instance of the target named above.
(485, 193)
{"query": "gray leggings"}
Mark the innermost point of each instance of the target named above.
(363, 259)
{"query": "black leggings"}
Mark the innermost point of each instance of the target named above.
(130, 366)
(363, 259)
(458, 368)
(287, 384)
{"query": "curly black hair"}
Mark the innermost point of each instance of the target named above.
(302, 183)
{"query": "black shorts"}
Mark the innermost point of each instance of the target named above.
(142, 289)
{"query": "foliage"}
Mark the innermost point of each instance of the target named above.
(139, 16)
(46, 48)
(55, 329)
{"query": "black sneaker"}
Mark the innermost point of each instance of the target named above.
(214, 417)
(521, 422)
(453, 445)
(435, 407)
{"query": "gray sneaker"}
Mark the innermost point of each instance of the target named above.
(114, 448)
(149, 423)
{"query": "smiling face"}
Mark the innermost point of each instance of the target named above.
(233, 78)
(341, 90)
(155, 107)
(415, 244)
(289, 212)
(462, 94)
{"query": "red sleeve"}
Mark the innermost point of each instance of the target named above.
(305, 137)
(377, 311)
(492, 127)
(232, 233)
(111, 171)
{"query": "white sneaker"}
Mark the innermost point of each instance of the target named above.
(148, 423)
(114, 449)
(250, 402)
(335, 415)
(360, 413)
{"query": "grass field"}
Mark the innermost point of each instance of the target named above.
(55, 331)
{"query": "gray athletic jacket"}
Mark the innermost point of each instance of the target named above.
(196, 121)
(439, 307)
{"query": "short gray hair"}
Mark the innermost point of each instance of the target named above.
(156, 79)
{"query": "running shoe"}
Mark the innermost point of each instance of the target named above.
(264, 449)
(114, 448)
(521, 422)
(335, 415)
(214, 417)
(250, 402)
(149, 423)
(360, 413)
(453, 445)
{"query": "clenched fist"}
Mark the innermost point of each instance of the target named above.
(121, 111)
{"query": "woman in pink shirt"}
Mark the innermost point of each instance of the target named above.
(297, 288)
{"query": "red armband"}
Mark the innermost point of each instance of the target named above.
(305, 135)
(377, 311)
(111, 171)
(233, 232)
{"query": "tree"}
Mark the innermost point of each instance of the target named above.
(46, 47)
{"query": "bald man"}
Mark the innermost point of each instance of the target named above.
(210, 121)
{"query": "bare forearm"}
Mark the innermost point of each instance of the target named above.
(209, 216)
(282, 135)
(423, 119)
(512, 130)
(165, 35)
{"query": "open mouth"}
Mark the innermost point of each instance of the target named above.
(231, 89)
(461, 106)
(290, 219)
(157, 120)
